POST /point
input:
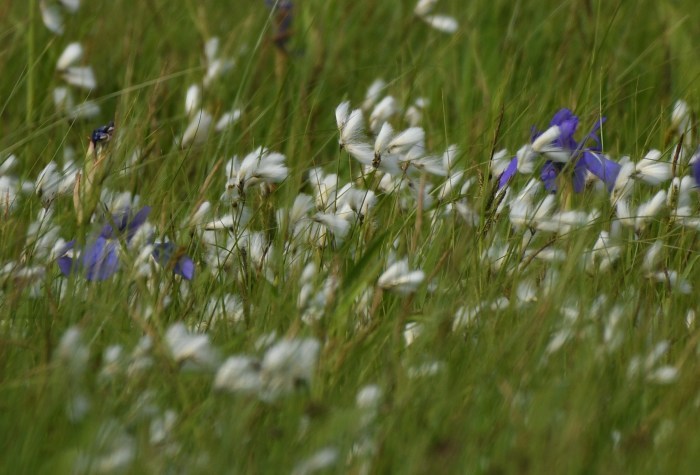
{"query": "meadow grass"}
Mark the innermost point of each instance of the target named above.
(558, 378)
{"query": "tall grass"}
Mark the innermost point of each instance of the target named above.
(495, 395)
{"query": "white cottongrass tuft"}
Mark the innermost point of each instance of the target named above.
(350, 124)
(239, 374)
(198, 129)
(652, 169)
(80, 76)
(228, 119)
(191, 350)
(71, 55)
(288, 364)
(373, 94)
(321, 460)
(382, 112)
(193, 99)
(400, 279)
(52, 18)
(546, 138)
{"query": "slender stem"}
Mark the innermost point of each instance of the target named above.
(30, 61)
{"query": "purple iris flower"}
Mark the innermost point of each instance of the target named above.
(695, 170)
(508, 173)
(283, 10)
(166, 253)
(588, 157)
(590, 160)
(99, 260)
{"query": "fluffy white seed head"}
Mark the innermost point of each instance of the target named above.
(443, 23)
(193, 99)
(546, 138)
(70, 56)
(80, 76)
(400, 279)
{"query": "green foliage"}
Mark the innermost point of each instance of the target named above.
(491, 396)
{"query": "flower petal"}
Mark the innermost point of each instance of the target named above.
(100, 260)
(508, 173)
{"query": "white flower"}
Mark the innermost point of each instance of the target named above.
(71, 55)
(193, 99)
(70, 5)
(321, 460)
(197, 130)
(424, 7)
(85, 110)
(47, 183)
(652, 170)
(239, 374)
(80, 76)
(398, 278)
(546, 138)
(228, 119)
(338, 225)
(51, 16)
(369, 397)
(350, 124)
(414, 114)
(673, 280)
(259, 166)
(289, 363)
(382, 112)
(406, 140)
(652, 256)
(381, 143)
(443, 23)
(373, 93)
(680, 117)
(72, 352)
(411, 331)
(623, 183)
(192, 350)
(211, 48)
(648, 210)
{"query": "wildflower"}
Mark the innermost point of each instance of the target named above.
(648, 210)
(166, 254)
(193, 99)
(444, 23)
(398, 278)
(259, 166)
(350, 124)
(99, 260)
(288, 364)
(192, 350)
(320, 461)
(71, 55)
(216, 66)
(284, 14)
(197, 130)
(82, 77)
(52, 18)
(652, 170)
(239, 374)
(382, 112)
(369, 397)
(557, 144)
(227, 120)
(372, 95)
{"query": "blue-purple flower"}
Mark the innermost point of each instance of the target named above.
(563, 149)
(99, 260)
(283, 10)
